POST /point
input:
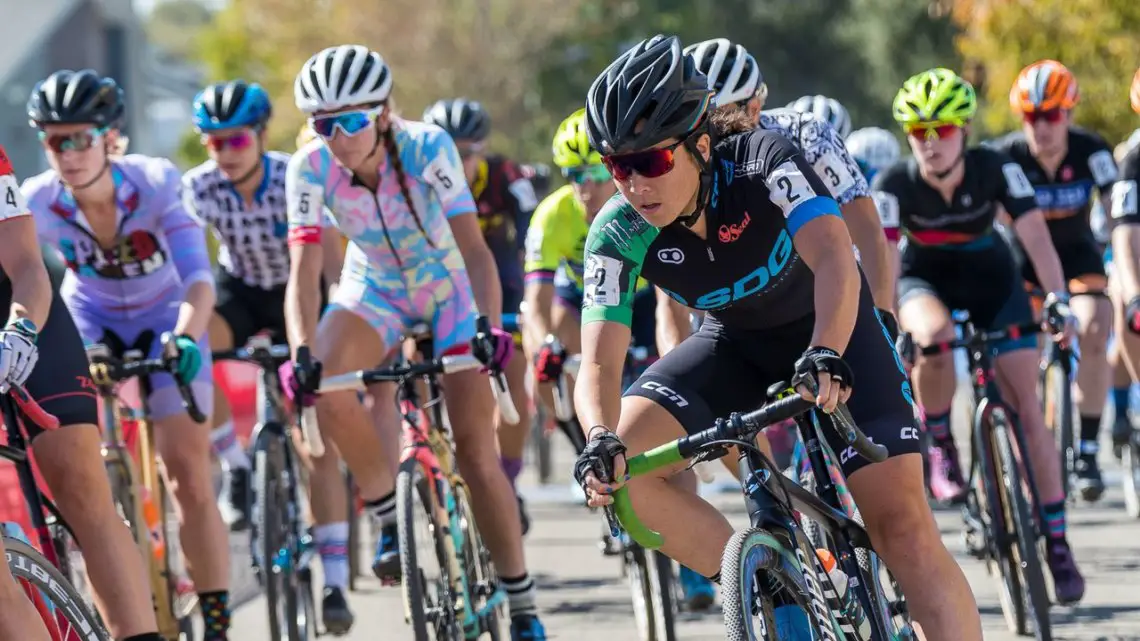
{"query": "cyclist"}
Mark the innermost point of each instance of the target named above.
(38, 328)
(505, 199)
(738, 83)
(138, 267)
(1065, 164)
(874, 148)
(784, 297)
(240, 193)
(944, 200)
(396, 188)
(826, 109)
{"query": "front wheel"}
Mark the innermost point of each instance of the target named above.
(286, 620)
(662, 593)
(1130, 461)
(1058, 401)
(63, 611)
(421, 526)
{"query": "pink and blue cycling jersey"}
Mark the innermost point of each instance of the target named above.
(138, 284)
(401, 265)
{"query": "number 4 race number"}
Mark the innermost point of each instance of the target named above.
(13, 203)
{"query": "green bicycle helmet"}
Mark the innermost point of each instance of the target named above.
(572, 144)
(936, 95)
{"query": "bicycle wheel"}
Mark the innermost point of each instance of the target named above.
(541, 441)
(1058, 399)
(637, 574)
(63, 610)
(286, 621)
(354, 556)
(662, 594)
(754, 568)
(424, 564)
(573, 431)
(1027, 560)
(486, 597)
(1130, 462)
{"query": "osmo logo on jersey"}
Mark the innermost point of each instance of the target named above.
(752, 283)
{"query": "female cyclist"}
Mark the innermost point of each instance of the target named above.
(138, 268)
(240, 193)
(944, 199)
(785, 297)
(396, 188)
(505, 200)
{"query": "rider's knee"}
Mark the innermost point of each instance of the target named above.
(905, 530)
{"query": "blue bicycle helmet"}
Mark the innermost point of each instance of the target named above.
(226, 105)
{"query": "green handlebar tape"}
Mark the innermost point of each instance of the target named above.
(658, 457)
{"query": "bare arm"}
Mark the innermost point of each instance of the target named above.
(673, 324)
(825, 246)
(196, 309)
(332, 243)
(1030, 228)
(597, 392)
(303, 293)
(480, 264)
(539, 320)
(875, 252)
(22, 261)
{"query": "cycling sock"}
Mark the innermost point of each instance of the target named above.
(224, 442)
(1090, 429)
(215, 608)
(383, 510)
(149, 636)
(1055, 519)
(520, 594)
(939, 425)
(1120, 400)
(332, 545)
(512, 467)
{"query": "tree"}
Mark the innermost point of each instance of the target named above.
(1096, 39)
(174, 25)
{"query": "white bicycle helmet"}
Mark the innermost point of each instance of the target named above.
(825, 108)
(340, 77)
(875, 146)
(732, 71)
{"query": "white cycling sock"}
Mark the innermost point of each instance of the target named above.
(224, 442)
(332, 544)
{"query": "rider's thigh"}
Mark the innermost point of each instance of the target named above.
(922, 312)
(184, 445)
(1093, 312)
(471, 409)
(1016, 372)
(645, 424)
(70, 462)
(892, 499)
(348, 341)
(221, 337)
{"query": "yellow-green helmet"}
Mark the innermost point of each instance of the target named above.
(936, 95)
(572, 144)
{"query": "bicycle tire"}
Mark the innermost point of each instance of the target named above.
(1058, 405)
(751, 556)
(482, 580)
(991, 512)
(573, 431)
(1025, 548)
(271, 497)
(413, 492)
(637, 576)
(354, 542)
(541, 441)
(1130, 464)
(662, 593)
(30, 567)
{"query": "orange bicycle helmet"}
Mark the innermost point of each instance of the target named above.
(1135, 93)
(1043, 86)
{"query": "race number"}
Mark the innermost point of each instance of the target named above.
(13, 203)
(1124, 199)
(1103, 167)
(888, 206)
(602, 281)
(1016, 182)
(306, 206)
(788, 187)
(835, 173)
(447, 179)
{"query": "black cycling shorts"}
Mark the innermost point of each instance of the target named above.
(60, 382)
(717, 371)
(1079, 257)
(250, 310)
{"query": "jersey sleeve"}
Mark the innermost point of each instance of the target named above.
(185, 232)
(13, 204)
(835, 166)
(520, 193)
(1125, 209)
(1015, 192)
(444, 172)
(305, 208)
(792, 184)
(616, 246)
(1102, 166)
(886, 196)
(541, 258)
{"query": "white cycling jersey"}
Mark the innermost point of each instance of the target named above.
(254, 244)
(823, 148)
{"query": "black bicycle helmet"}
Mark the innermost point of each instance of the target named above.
(653, 83)
(67, 97)
(462, 118)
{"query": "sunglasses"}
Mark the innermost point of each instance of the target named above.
(586, 173)
(651, 163)
(349, 123)
(75, 141)
(237, 141)
(931, 131)
(1051, 116)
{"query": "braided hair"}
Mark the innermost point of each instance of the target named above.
(393, 150)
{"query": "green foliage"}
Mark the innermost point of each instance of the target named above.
(191, 152)
(174, 24)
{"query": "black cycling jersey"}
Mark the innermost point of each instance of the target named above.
(1066, 197)
(1125, 209)
(747, 273)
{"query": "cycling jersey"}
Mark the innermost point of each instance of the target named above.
(556, 238)
(253, 247)
(137, 285)
(506, 200)
(1125, 194)
(401, 266)
(823, 148)
(950, 250)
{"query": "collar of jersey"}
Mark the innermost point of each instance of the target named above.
(126, 196)
(259, 193)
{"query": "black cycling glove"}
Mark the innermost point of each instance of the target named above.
(818, 360)
(598, 457)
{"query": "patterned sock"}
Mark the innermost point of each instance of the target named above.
(224, 443)
(512, 467)
(1055, 520)
(520, 595)
(332, 544)
(383, 510)
(939, 425)
(215, 608)
(1090, 429)
(1120, 400)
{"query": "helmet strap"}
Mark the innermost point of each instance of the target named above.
(941, 175)
(106, 166)
(704, 191)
